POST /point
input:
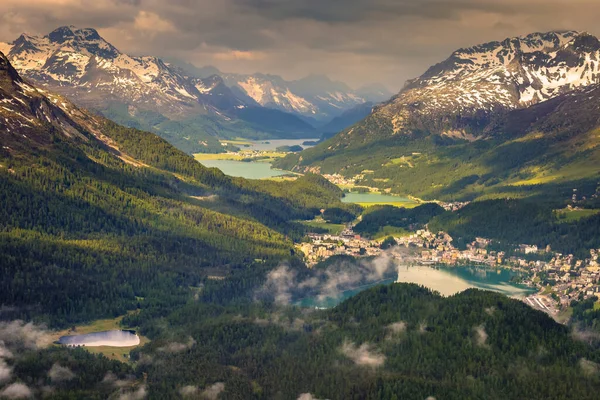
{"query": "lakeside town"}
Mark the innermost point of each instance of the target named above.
(558, 278)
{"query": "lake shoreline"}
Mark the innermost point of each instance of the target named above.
(443, 280)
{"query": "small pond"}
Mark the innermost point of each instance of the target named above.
(116, 338)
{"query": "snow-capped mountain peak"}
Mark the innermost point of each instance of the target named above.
(315, 96)
(514, 73)
(81, 64)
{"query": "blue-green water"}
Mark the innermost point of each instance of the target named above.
(248, 170)
(452, 280)
(328, 302)
(372, 198)
(266, 145)
(446, 280)
(255, 169)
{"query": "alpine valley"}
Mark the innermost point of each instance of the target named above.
(516, 118)
(130, 271)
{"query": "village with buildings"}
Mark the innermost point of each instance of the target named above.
(559, 281)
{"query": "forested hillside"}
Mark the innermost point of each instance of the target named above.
(96, 216)
(389, 342)
(511, 222)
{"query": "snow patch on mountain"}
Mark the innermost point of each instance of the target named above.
(299, 97)
(82, 65)
(511, 74)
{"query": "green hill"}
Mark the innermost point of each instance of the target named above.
(96, 216)
(398, 341)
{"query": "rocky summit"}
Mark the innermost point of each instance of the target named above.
(473, 83)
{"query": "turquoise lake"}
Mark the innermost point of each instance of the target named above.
(372, 198)
(255, 169)
(446, 280)
(248, 170)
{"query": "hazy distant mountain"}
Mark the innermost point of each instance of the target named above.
(374, 92)
(315, 97)
(483, 92)
(347, 118)
(144, 92)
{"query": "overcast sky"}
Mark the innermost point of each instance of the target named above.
(356, 41)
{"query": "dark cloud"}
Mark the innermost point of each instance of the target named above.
(356, 41)
(359, 10)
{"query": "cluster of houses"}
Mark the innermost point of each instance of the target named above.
(454, 206)
(567, 277)
(564, 277)
(320, 247)
(339, 180)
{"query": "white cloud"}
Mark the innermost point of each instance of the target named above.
(239, 55)
(307, 396)
(16, 391)
(18, 334)
(188, 391)
(480, 336)
(138, 394)
(111, 379)
(4, 352)
(152, 22)
(364, 355)
(212, 392)
(5, 372)
(283, 282)
(396, 329)
(59, 373)
(177, 347)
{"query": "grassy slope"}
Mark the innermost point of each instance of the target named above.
(545, 150)
(527, 166)
(333, 229)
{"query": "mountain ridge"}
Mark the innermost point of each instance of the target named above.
(81, 65)
(315, 96)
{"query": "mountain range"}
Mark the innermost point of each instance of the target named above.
(491, 120)
(149, 93)
(315, 97)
